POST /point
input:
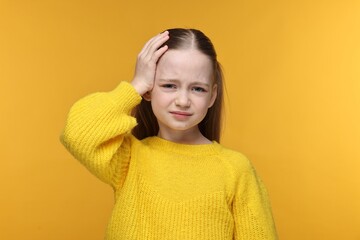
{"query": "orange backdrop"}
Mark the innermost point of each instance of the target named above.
(293, 80)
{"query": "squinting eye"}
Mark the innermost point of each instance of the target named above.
(199, 89)
(168, 86)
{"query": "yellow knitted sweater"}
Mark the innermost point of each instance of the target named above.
(165, 190)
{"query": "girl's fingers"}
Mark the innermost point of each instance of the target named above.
(159, 53)
(146, 62)
(153, 44)
(152, 54)
(144, 49)
(156, 39)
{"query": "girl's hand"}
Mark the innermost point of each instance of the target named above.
(146, 63)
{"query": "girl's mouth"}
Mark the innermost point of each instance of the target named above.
(181, 115)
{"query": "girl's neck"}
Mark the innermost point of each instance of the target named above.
(184, 137)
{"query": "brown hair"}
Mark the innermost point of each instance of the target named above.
(210, 126)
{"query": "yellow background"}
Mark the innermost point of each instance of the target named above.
(293, 81)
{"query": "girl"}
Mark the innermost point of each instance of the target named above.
(171, 177)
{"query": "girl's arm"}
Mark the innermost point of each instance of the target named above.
(98, 128)
(97, 131)
(252, 210)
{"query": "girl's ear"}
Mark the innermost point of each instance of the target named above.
(147, 96)
(213, 95)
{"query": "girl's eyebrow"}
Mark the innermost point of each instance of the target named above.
(201, 83)
(177, 81)
(168, 80)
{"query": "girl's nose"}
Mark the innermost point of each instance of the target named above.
(182, 100)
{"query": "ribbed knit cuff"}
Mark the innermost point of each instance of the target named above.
(125, 92)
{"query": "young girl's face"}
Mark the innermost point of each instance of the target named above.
(183, 90)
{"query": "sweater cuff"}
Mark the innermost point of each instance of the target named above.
(125, 92)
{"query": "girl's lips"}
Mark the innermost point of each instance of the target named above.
(181, 116)
(181, 113)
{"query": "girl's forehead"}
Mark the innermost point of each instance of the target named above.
(187, 62)
(180, 55)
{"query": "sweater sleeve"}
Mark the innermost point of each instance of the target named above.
(252, 211)
(97, 131)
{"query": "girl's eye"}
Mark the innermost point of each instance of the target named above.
(169, 86)
(199, 89)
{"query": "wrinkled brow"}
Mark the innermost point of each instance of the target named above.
(178, 81)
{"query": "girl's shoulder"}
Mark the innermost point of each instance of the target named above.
(235, 159)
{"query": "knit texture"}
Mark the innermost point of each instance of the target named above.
(165, 190)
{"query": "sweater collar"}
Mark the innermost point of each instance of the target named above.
(186, 149)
